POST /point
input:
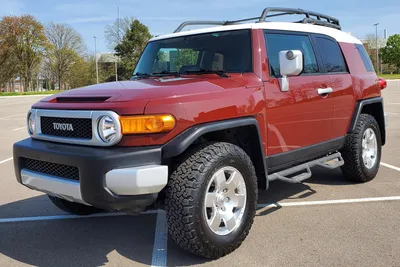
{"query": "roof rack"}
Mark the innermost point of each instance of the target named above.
(310, 18)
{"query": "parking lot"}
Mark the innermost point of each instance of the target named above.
(326, 221)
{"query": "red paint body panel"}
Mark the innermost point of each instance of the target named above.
(299, 117)
(287, 120)
(365, 83)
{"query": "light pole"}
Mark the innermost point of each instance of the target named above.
(95, 58)
(377, 49)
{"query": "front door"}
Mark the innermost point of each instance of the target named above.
(303, 116)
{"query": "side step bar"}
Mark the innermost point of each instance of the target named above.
(305, 171)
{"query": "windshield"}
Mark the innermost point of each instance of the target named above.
(228, 51)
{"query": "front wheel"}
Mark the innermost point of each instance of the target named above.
(362, 150)
(211, 199)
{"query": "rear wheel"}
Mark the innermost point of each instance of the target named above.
(362, 150)
(211, 199)
(73, 207)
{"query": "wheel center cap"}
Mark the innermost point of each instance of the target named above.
(220, 199)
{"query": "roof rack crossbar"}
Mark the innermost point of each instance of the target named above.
(310, 18)
(323, 20)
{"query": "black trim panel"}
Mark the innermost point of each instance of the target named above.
(381, 120)
(295, 157)
(179, 144)
(359, 108)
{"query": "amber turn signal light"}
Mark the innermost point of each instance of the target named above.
(147, 124)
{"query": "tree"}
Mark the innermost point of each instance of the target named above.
(115, 31)
(391, 52)
(66, 47)
(29, 44)
(131, 47)
(8, 68)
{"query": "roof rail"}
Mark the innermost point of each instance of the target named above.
(310, 18)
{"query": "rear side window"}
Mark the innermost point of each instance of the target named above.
(331, 54)
(280, 42)
(365, 57)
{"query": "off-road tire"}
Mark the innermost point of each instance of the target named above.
(185, 193)
(73, 207)
(354, 168)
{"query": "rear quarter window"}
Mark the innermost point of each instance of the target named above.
(332, 56)
(365, 57)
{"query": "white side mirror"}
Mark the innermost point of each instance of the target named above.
(291, 64)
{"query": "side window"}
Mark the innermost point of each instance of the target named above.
(279, 42)
(331, 54)
(365, 58)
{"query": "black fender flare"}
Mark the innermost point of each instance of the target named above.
(180, 143)
(380, 113)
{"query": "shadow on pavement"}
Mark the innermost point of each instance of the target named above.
(95, 241)
(77, 242)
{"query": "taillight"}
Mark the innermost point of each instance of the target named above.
(382, 83)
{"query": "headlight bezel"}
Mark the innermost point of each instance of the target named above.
(31, 118)
(113, 133)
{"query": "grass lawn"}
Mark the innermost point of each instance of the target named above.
(30, 93)
(389, 76)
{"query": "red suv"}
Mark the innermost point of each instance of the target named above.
(209, 117)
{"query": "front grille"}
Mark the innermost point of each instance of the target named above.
(53, 169)
(80, 128)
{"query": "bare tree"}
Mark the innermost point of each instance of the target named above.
(66, 46)
(115, 31)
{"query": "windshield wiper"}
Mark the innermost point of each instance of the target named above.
(166, 73)
(140, 75)
(221, 73)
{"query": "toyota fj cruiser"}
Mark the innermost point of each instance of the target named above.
(210, 117)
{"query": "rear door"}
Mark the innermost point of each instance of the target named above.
(301, 117)
(334, 65)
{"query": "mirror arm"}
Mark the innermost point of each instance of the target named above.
(284, 83)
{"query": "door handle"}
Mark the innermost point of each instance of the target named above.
(325, 91)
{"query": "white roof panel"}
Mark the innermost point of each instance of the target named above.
(338, 35)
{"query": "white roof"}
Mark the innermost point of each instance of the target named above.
(340, 36)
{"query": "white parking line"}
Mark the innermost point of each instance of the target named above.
(20, 128)
(65, 217)
(6, 160)
(393, 113)
(12, 116)
(392, 103)
(329, 202)
(390, 166)
(159, 257)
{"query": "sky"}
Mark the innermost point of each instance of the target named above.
(89, 17)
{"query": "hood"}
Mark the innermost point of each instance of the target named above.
(144, 89)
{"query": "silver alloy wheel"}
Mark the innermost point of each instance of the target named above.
(225, 200)
(369, 148)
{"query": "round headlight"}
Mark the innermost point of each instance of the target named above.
(31, 122)
(107, 129)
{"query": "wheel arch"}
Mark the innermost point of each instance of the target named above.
(236, 131)
(373, 107)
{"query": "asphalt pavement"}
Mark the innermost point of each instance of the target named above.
(326, 221)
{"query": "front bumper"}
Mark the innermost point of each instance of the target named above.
(386, 117)
(125, 179)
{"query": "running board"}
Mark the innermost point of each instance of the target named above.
(305, 171)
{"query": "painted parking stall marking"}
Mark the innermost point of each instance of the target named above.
(6, 160)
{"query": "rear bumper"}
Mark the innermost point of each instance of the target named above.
(124, 179)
